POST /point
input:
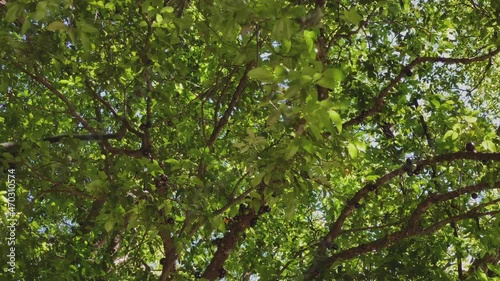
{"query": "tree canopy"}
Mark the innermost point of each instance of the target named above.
(250, 139)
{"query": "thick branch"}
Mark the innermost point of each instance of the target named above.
(227, 244)
(170, 252)
(379, 102)
(13, 147)
(336, 228)
(322, 262)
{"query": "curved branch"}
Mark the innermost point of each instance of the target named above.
(361, 25)
(113, 111)
(336, 228)
(236, 97)
(379, 102)
(322, 262)
(71, 108)
(227, 244)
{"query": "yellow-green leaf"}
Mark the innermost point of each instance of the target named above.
(41, 10)
(336, 73)
(56, 25)
(291, 151)
(353, 150)
(326, 82)
(352, 16)
(290, 211)
(14, 11)
(260, 73)
(489, 145)
(257, 179)
(335, 116)
(109, 225)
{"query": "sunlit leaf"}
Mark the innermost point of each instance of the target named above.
(56, 25)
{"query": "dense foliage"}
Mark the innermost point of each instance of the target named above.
(250, 139)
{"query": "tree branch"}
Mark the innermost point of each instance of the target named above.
(236, 97)
(322, 262)
(379, 102)
(71, 108)
(336, 228)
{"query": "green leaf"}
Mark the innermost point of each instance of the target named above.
(286, 45)
(353, 150)
(85, 42)
(316, 131)
(282, 29)
(324, 117)
(261, 73)
(110, 6)
(95, 185)
(167, 10)
(481, 276)
(26, 26)
(327, 82)
(14, 11)
(305, 79)
(257, 179)
(335, 117)
(450, 134)
(87, 27)
(267, 179)
(335, 73)
(172, 161)
(197, 181)
(330, 78)
(352, 16)
(280, 70)
(41, 11)
(489, 146)
(291, 150)
(56, 25)
(7, 155)
(309, 37)
(109, 225)
(290, 210)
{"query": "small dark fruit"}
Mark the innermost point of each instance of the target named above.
(253, 222)
(170, 220)
(473, 195)
(357, 205)
(197, 274)
(267, 209)
(243, 208)
(470, 147)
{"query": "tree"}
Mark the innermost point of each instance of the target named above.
(250, 140)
